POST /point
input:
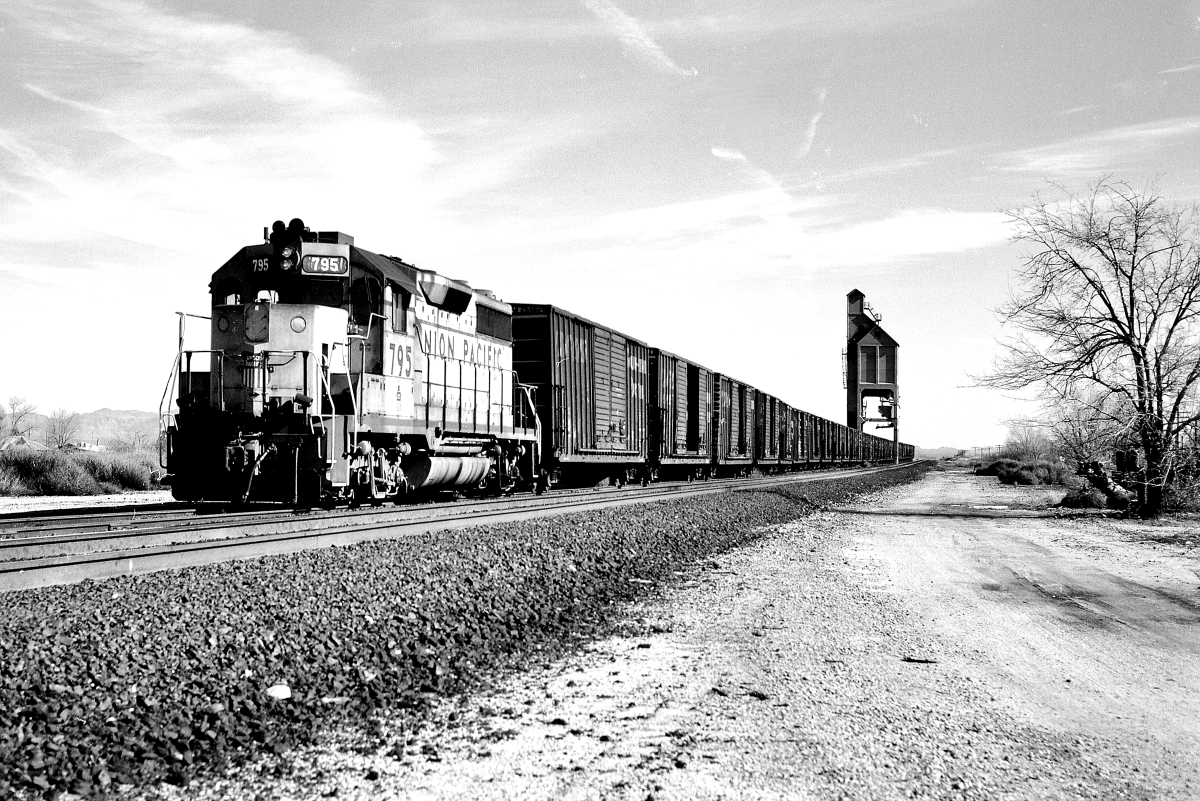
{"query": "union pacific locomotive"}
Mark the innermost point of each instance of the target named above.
(336, 374)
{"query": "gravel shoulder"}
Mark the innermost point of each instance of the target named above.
(842, 656)
(24, 504)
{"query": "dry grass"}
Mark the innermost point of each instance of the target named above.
(29, 472)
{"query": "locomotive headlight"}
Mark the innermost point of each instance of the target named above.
(222, 324)
(287, 258)
(299, 324)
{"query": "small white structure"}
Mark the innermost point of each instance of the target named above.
(82, 446)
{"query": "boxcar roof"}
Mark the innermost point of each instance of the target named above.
(519, 308)
(683, 359)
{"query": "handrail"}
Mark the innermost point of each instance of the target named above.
(172, 382)
(350, 379)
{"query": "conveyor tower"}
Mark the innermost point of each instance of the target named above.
(872, 391)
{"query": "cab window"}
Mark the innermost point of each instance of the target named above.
(399, 310)
(365, 297)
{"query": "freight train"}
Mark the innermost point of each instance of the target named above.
(335, 374)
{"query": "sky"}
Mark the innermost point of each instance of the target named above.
(711, 177)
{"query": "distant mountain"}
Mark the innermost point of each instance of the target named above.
(937, 453)
(120, 428)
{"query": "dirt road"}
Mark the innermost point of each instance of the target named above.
(929, 644)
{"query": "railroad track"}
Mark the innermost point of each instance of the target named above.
(21, 524)
(68, 548)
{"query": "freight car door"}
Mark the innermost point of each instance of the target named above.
(611, 388)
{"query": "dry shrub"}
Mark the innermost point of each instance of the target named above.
(121, 471)
(28, 472)
(49, 472)
(1184, 496)
(10, 482)
(1010, 471)
(995, 468)
(1084, 497)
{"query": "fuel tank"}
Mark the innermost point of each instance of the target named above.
(422, 470)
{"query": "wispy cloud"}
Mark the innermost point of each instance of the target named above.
(890, 167)
(188, 123)
(759, 230)
(1173, 70)
(816, 19)
(810, 133)
(634, 37)
(812, 19)
(908, 234)
(216, 124)
(728, 155)
(1077, 109)
(1101, 151)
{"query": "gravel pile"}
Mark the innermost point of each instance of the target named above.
(171, 675)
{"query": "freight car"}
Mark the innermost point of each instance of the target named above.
(340, 375)
(592, 386)
(681, 410)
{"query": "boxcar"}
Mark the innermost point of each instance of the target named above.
(591, 393)
(766, 436)
(793, 439)
(733, 421)
(824, 442)
(680, 417)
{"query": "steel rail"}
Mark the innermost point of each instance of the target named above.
(191, 516)
(61, 524)
(169, 529)
(48, 561)
(16, 523)
(59, 543)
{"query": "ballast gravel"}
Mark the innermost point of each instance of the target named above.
(179, 675)
(783, 669)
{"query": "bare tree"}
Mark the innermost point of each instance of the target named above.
(1087, 428)
(1107, 309)
(1027, 441)
(62, 427)
(19, 416)
(133, 438)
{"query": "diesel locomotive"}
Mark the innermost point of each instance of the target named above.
(335, 374)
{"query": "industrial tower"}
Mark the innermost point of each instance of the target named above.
(871, 371)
